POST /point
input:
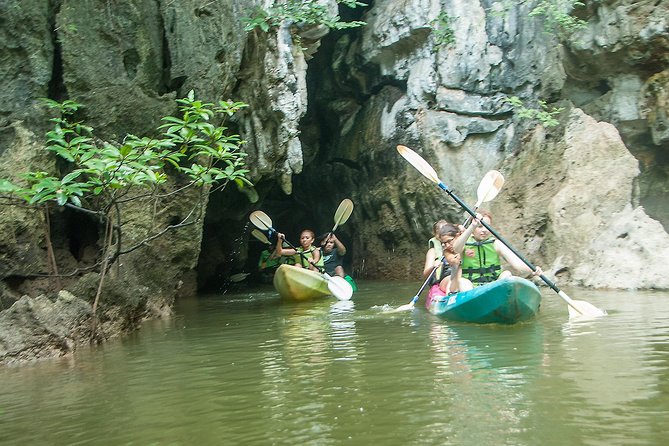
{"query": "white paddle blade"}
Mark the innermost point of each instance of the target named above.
(419, 163)
(585, 309)
(339, 287)
(489, 187)
(581, 308)
(261, 220)
(343, 213)
(405, 307)
(260, 236)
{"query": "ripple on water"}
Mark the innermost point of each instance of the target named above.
(248, 369)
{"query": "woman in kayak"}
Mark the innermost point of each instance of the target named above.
(433, 256)
(454, 282)
(307, 255)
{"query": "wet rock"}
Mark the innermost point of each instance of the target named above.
(41, 328)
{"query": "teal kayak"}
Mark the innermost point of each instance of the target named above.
(504, 301)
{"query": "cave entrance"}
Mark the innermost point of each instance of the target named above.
(228, 248)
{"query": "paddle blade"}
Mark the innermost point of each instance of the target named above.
(260, 236)
(419, 163)
(405, 307)
(581, 308)
(261, 220)
(343, 213)
(489, 187)
(339, 287)
(238, 277)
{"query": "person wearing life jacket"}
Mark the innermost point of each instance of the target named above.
(268, 262)
(307, 255)
(482, 255)
(433, 256)
(454, 282)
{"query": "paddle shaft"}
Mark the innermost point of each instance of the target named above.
(296, 250)
(468, 220)
(341, 216)
(271, 229)
(417, 296)
(457, 199)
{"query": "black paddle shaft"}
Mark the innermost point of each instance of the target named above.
(298, 251)
(268, 226)
(498, 237)
(417, 296)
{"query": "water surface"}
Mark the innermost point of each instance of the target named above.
(243, 368)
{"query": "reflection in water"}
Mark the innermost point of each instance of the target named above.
(485, 378)
(249, 369)
(342, 331)
(302, 361)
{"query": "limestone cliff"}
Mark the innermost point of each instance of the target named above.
(327, 109)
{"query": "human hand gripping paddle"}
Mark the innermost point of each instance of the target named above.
(488, 189)
(579, 307)
(338, 286)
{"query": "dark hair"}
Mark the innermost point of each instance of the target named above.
(448, 229)
(438, 225)
(313, 234)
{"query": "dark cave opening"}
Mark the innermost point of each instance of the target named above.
(56, 86)
(82, 235)
(229, 248)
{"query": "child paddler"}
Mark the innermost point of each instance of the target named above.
(454, 282)
(333, 251)
(482, 254)
(433, 256)
(307, 255)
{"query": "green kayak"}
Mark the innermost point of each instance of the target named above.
(299, 284)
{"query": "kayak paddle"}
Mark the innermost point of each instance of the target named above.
(488, 189)
(338, 286)
(238, 277)
(410, 305)
(341, 215)
(260, 236)
(581, 308)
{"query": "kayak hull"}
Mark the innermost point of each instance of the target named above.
(298, 284)
(350, 280)
(504, 301)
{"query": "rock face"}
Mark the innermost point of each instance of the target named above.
(447, 102)
(429, 74)
(38, 328)
(577, 213)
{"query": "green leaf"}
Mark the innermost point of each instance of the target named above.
(61, 198)
(71, 176)
(75, 200)
(7, 187)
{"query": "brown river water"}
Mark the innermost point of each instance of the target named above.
(244, 368)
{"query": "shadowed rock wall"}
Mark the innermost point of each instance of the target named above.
(326, 128)
(391, 83)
